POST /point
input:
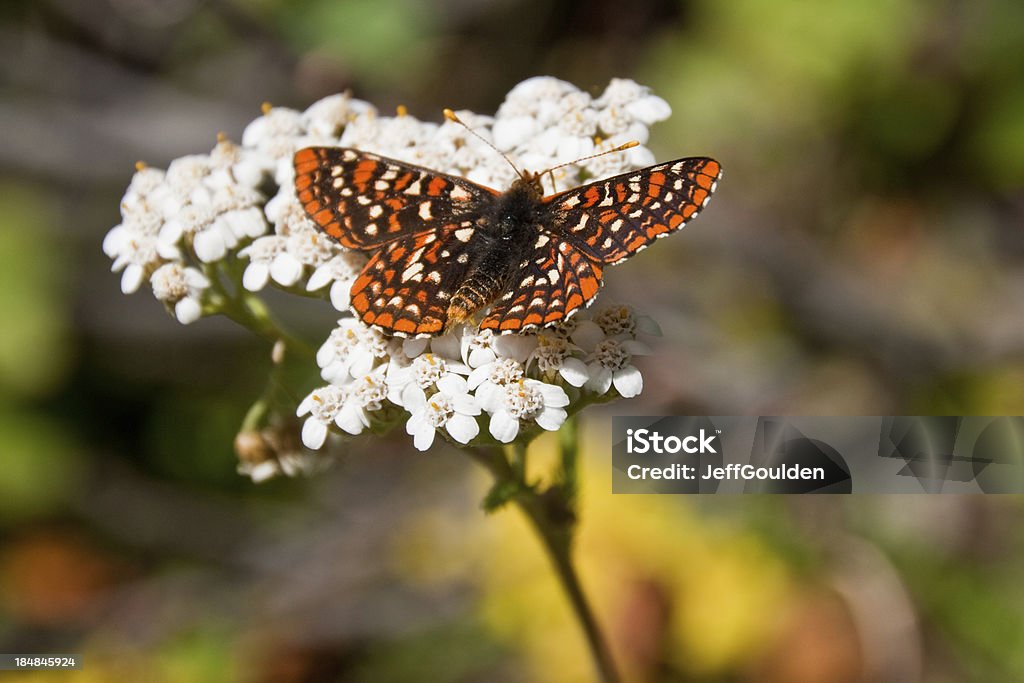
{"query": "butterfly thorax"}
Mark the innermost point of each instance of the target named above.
(504, 238)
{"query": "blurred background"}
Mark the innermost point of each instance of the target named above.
(864, 255)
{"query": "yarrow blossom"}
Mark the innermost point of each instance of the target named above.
(214, 230)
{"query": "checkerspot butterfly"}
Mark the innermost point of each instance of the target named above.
(443, 248)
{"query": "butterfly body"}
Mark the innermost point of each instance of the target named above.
(443, 248)
(508, 228)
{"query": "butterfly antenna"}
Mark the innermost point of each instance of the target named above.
(621, 148)
(551, 171)
(451, 116)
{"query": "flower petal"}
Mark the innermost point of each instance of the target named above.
(465, 404)
(413, 397)
(414, 347)
(628, 381)
(490, 396)
(462, 428)
(600, 378)
(423, 437)
(314, 433)
(587, 335)
(574, 371)
(551, 418)
(351, 418)
(187, 311)
(256, 276)
(341, 295)
(210, 245)
(452, 385)
(553, 395)
(503, 426)
(285, 269)
(416, 422)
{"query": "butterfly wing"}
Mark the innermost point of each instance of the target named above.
(612, 219)
(415, 222)
(557, 281)
(406, 286)
(365, 201)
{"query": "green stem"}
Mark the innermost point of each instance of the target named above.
(553, 517)
(568, 448)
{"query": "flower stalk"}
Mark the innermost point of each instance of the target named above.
(552, 514)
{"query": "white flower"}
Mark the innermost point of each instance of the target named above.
(480, 347)
(327, 118)
(322, 405)
(525, 400)
(340, 272)
(623, 321)
(489, 380)
(182, 288)
(611, 364)
(351, 351)
(409, 380)
(447, 345)
(553, 358)
(275, 133)
(363, 396)
(137, 255)
(586, 334)
(262, 254)
(451, 408)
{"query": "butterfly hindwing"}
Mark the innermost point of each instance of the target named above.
(407, 284)
(559, 280)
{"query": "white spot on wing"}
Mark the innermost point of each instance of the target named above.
(425, 211)
(412, 271)
(570, 202)
(463, 234)
(459, 194)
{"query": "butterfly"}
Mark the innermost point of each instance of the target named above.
(443, 248)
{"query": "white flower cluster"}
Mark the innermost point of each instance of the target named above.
(231, 216)
(462, 380)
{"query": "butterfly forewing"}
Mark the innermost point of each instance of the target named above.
(613, 219)
(365, 200)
